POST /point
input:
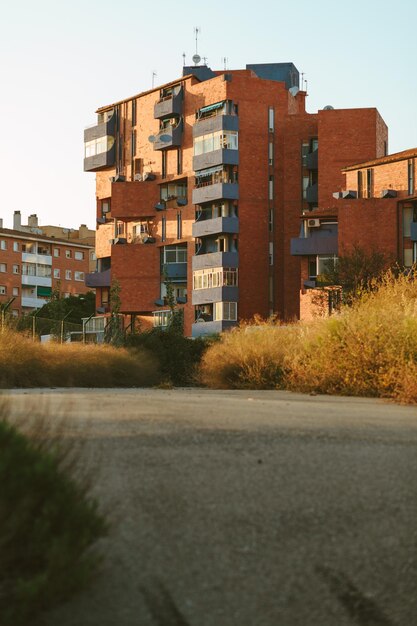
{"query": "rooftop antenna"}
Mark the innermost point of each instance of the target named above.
(183, 59)
(205, 60)
(196, 57)
(225, 60)
(302, 81)
(154, 74)
(306, 84)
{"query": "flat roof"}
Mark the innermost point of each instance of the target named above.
(19, 234)
(389, 158)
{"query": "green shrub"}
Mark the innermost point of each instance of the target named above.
(47, 527)
(178, 356)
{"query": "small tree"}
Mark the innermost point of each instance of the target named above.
(114, 327)
(176, 322)
(356, 272)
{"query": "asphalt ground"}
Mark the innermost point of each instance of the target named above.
(237, 508)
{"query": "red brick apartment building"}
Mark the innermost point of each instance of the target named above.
(376, 210)
(202, 182)
(32, 265)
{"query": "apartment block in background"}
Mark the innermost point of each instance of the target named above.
(201, 183)
(374, 209)
(33, 265)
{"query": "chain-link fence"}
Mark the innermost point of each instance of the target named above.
(41, 328)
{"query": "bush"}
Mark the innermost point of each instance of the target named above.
(369, 349)
(47, 527)
(177, 355)
(24, 363)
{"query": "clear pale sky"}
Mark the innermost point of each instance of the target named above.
(60, 61)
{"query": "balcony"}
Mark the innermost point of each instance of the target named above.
(40, 281)
(312, 160)
(208, 192)
(169, 106)
(100, 161)
(312, 194)
(215, 123)
(413, 233)
(98, 279)
(103, 128)
(33, 303)
(41, 259)
(216, 226)
(317, 243)
(174, 271)
(215, 259)
(202, 329)
(215, 294)
(169, 137)
(216, 157)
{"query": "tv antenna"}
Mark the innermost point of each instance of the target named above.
(225, 61)
(183, 59)
(154, 74)
(196, 57)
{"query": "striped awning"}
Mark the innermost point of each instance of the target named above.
(212, 107)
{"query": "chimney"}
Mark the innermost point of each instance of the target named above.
(33, 221)
(1, 222)
(82, 231)
(17, 220)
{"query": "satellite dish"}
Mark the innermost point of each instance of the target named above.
(294, 91)
(145, 175)
(165, 138)
(151, 138)
(138, 177)
(196, 59)
(328, 107)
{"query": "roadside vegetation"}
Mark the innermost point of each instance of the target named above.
(49, 523)
(368, 349)
(24, 363)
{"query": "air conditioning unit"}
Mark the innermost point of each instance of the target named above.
(138, 178)
(313, 223)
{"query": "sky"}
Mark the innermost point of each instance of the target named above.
(60, 61)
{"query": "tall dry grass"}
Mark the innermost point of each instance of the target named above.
(369, 349)
(24, 363)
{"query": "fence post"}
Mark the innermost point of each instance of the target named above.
(85, 322)
(34, 324)
(3, 308)
(62, 325)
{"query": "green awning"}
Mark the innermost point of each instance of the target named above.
(44, 291)
(212, 107)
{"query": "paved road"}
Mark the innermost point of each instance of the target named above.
(246, 508)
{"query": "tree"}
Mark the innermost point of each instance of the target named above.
(356, 272)
(114, 332)
(176, 321)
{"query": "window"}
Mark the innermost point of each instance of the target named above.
(173, 191)
(360, 185)
(57, 273)
(369, 183)
(306, 182)
(68, 254)
(68, 274)
(105, 207)
(270, 153)
(93, 256)
(174, 254)
(79, 276)
(164, 164)
(3, 244)
(271, 253)
(15, 291)
(98, 146)
(79, 256)
(179, 226)
(132, 144)
(221, 139)
(161, 318)
(179, 161)
(271, 120)
(105, 296)
(271, 187)
(15, 246)
(410, 176)
(215, 277)
(271, 220)
(226, 311)
(164, 228)
(133, 112)
(29, 269)
(16, 269)
(3, 290)
(56, 252)
(305, 150)
(3, 267)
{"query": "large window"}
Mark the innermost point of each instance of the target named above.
(161, 318)
(98, 146)
(410, 176)
(215, 277)
(220, 139)
(174, 254)
(321, 264)
(226, 311)
(173, 191)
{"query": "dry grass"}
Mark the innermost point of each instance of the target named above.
(24, 363)
(367, 350)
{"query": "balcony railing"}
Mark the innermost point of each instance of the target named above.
(215, 259)
(169, 137)
(217, 122)
(216, 226)
(315, 244)
(169, 106)
(203, 328)
(209, 191)
(216, 157)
